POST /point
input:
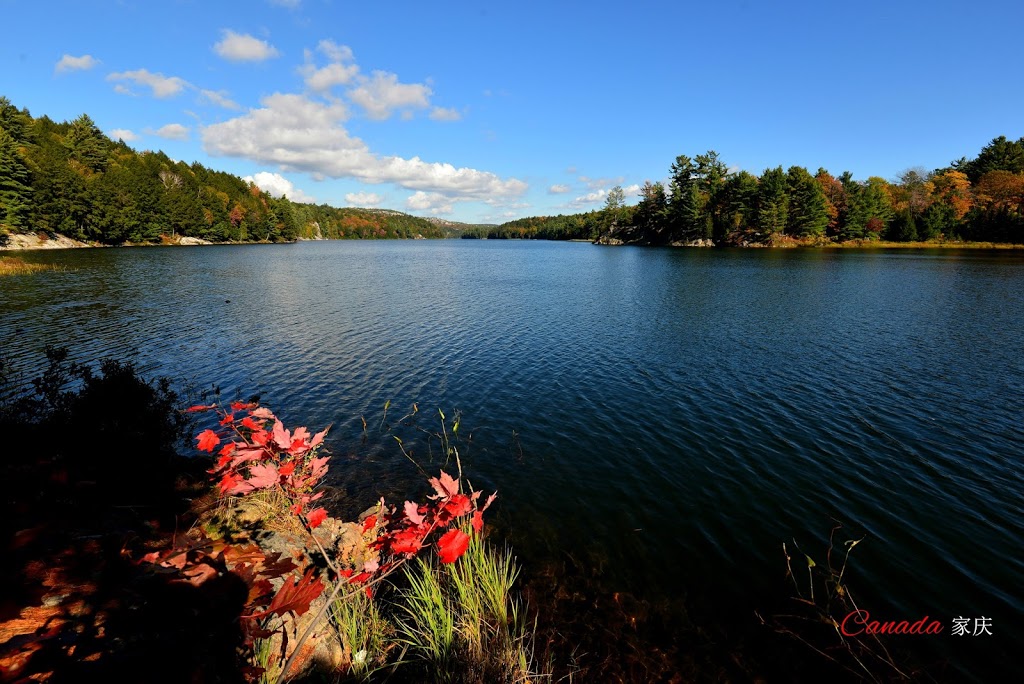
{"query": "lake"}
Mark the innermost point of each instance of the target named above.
(658, 420)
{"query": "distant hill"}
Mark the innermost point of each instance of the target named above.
(455, 229)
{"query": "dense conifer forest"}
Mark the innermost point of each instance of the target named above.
(71, 179)
(977, 200)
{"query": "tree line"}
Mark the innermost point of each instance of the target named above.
(70, 179)
(981, 199)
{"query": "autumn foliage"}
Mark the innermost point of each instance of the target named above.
(256, 453)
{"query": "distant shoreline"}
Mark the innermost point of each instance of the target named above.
(24, 242)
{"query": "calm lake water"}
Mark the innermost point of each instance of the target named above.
(664, 418)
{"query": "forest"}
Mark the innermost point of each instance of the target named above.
(70, 179)
(976, 200)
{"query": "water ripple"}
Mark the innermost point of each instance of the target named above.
(676, 414)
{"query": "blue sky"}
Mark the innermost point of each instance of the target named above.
(482, 112)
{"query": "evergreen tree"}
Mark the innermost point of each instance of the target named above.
(15, 192)
(709, 177)
(999, 155)
(650, 212)
(683, 201)
(773, 202)
(87, 144)
(869, 208)
(739, 205)
(903, 227)
(808, 213)
(17, 123)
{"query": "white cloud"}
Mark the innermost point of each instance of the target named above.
(334, 74)
(558, 189)
(122, 89)
(381, 94)
(241, 47)
(219, 98)
(174, 131)
(442, 114)
(363, 199)
(123, 134)
(300, 134)
(277, 185)
(431, 202)
(590, 198)
(329, 76)
(335, 52)
(162, 86)
(631, 190)
(70, 63)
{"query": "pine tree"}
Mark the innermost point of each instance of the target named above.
(15, 191)
(87, 144)
(772, 202)
(808, 214)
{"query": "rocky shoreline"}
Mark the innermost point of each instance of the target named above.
(19, 242)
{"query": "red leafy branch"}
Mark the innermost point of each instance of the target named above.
(255, 452)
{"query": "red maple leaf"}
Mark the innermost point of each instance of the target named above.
(221, 462)
(295, 595)
(406, 541)
(478, 515)
(263, 475)
(458, 505)
(412, 512)
(445, 486)
(287, 469)
(200, 407)
(263, 412)
(452, 545)
(317, 438)
(316, 517)
(282, 436)
(234, 485)
(229, 481)
(369, 523)
(318, 467)
(245, 455)
(251, 424)
(207, 439)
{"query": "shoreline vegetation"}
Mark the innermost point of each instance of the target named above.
(15, 266)
(10, 265)
(140, 555)
(68, 185)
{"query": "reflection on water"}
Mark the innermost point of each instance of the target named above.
(666, 418)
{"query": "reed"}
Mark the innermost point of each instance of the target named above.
(462, 622)
(16, 266)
